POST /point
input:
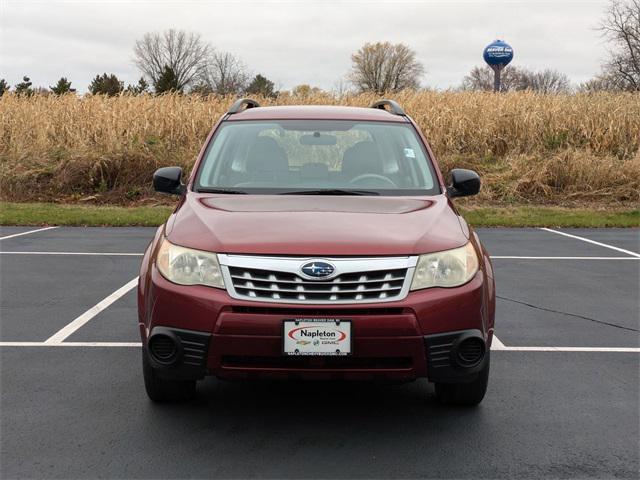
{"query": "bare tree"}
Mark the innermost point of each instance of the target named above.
(603, 82)
(481, 78)
(223, 74)
(305, 90)
(185, 53)
(341, 88)
(514, 78)
(385, 67)
(621, 27)
(544, 81)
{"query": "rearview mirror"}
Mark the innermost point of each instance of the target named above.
(463, 183)
(318, 139)
(168, 180)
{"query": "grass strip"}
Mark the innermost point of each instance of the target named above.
(81, 215)
(116, 216)
(526, 216)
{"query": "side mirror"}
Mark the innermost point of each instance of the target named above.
(463, 183)
(168, 180)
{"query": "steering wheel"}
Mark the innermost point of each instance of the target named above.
(374, 176)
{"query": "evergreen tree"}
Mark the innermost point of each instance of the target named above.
(4, 86)
(24, 87)
(167, 81)
(106, 85)
(261, 85)
(141, 87)
(63, 86)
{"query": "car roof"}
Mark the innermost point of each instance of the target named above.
(316, 112)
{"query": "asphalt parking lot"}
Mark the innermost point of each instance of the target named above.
(563, 399)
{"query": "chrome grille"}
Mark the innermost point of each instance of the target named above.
(358, 280)
(351, 286)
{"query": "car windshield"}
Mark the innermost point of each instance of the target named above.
(316, 157)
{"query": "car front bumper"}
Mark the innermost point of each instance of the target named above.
(230, 338)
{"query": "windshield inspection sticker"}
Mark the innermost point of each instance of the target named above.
(409, 153)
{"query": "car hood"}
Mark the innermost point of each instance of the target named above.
(316, 225)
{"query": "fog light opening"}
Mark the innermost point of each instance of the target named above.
(163, 349)
(470, 352)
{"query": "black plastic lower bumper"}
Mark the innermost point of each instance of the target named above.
(452, 357)
(178, 354)
(455, 357)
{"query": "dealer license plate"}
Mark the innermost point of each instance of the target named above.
(317, 336)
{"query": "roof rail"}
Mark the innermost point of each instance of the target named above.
(395, 108)
(237, 105)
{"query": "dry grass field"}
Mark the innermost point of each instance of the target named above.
(529, 148)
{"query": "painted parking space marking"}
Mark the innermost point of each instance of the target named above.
(493, 257)
(574, 349)
(69, 329)
(497, 344)
(71, 344)
(495, 347)
(58, 339)
(106, 254)
(26, 233)
(511, 257)
(605, 245)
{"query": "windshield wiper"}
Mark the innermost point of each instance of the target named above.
(220, 190)
(331, 191)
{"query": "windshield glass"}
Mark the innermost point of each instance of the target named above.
(317, 157)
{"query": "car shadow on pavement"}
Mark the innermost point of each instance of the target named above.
(322, 407)
(316, 429)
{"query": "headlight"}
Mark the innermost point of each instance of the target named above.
(445, 269)
(189, 267)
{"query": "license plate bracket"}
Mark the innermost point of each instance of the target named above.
(316, 337)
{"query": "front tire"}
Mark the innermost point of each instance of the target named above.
(467, 394)
(162, 390)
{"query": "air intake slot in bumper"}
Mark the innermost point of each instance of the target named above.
(178, 353)
(455, 356)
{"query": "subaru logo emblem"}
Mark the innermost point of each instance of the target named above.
(317, 269)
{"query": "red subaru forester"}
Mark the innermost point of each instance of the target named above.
(316, 242)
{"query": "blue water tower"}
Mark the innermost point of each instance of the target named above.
(497, 54)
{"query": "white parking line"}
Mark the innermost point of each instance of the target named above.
(27, 233)
(70, 344)
(66, 331)
(496, 346)
(493, 257)
(115, 254)
(573, 349)
(498, 257)
(611, 247)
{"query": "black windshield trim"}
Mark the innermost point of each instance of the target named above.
(299, 191)
(331, 191)
(229, 191)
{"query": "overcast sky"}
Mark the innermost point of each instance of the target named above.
(294, 42)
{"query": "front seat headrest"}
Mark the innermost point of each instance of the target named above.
(363, 157)
(265, 155)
